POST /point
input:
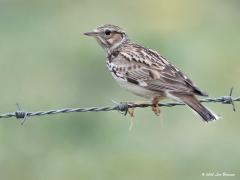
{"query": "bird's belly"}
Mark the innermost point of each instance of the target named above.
(138, 90)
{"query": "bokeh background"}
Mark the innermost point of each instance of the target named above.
(47, 63)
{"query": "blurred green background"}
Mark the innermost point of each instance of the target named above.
(47, 63)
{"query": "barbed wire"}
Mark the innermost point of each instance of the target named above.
(121, 107)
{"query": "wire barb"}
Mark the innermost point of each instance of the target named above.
(20, 114)
(229, 99)
(122, 107)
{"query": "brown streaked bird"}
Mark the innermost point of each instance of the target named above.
(146, 73)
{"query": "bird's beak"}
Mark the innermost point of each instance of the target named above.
(91, 33)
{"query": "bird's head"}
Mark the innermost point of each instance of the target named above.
(108, 36)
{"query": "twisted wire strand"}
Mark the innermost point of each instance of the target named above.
(122, 107)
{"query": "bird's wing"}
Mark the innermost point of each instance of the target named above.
(148, 69)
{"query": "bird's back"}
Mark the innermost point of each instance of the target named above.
(147, 68)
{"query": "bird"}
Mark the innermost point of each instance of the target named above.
(147, 73)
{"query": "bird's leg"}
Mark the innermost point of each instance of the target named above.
(131, 112)
(155, 106)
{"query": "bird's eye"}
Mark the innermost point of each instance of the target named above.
(107, 32)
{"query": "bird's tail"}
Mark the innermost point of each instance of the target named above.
(205, 113)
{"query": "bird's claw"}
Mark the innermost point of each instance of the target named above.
(131, 112)
(156, 109)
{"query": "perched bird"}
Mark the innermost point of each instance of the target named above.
(146, 73)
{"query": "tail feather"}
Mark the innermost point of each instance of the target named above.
(205, 113)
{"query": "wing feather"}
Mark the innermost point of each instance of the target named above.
(155, 71)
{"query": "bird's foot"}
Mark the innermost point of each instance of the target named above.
(156, 109)
(130, 111)
(155, 106)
